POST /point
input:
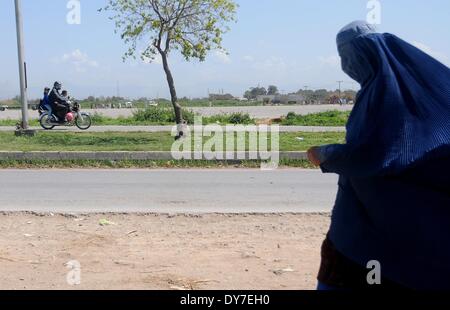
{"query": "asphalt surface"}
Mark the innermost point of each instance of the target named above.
(167, 191)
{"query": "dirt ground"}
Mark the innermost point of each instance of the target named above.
(160, 251)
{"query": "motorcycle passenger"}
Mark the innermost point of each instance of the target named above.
(66, 101)
(45, 102)
(65, 96)
(58, 102)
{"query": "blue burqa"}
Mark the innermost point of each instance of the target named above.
(393, 203)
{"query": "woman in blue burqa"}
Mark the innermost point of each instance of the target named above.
(391, 220)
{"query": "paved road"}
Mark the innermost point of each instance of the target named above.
(168, 191)
(255, 112)
(169, 129)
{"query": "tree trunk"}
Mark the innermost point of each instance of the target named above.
(173, 95)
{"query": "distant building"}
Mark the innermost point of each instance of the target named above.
(267, 99)
(282, 99)
(221, 97)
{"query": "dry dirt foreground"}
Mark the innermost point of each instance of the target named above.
(215, 251)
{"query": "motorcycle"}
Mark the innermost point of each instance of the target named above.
(73, 118)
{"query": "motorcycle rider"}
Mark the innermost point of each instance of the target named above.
(58, 102)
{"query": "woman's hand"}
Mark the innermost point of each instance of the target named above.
(313, 156)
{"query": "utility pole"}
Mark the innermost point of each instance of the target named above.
(340, 91)
(305, 94)
(23, 129)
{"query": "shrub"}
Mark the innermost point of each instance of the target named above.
(160, 115)
(240, 118)
(329, 118)
(97, 119)
(235, 118)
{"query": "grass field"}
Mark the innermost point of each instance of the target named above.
(138, 141)
(164, 116)
(153, 118)
(330, 118)
(13, 122)
(143, 164)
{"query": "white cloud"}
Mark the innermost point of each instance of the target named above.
(273, 62)
(79, 60)
(427, 49)
(223, 57)
(332, 61)
(248, 58)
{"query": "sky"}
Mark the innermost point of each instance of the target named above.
(288, 43)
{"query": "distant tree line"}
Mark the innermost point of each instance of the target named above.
(312, 96)
(324, 95)
(254, 92)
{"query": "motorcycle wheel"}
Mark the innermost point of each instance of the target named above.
(44, 120)
(84, 122)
